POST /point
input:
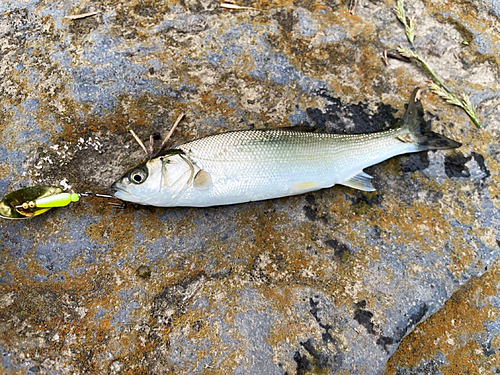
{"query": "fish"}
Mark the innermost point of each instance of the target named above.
(260, 164)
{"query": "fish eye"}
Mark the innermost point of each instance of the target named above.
(138, 176)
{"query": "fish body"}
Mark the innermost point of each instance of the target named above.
(252, 165)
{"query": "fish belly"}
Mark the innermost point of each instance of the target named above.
(248, 182)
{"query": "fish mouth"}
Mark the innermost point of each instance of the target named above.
(121, 193)
(117, 188)
(124, 196)
(115, 185)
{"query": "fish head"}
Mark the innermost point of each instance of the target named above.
(158, 182)
(140, 183)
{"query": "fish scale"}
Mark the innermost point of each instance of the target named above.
(263, 164)
(251, 165)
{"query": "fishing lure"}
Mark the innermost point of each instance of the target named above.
(36, 200)
(252, 165)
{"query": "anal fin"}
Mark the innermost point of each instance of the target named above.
(361, 181)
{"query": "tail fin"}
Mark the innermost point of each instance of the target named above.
(412, 128)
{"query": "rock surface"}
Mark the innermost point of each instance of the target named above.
(461, 338)
(328, 282)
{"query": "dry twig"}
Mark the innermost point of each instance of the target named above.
(397, 56)
(139, 141)
(80, 16)
(235, 7)
(150, 152)
(352, 6)
(167, 137)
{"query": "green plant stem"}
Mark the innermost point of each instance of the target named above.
(437, 86)
(413, 55)
(408, 23)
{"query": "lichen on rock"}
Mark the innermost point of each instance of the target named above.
(333, 281)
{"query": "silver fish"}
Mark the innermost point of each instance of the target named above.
(253, 165)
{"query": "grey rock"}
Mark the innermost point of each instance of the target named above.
(328, 282)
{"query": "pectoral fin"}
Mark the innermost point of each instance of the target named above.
(202, 180)
(361, 181)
